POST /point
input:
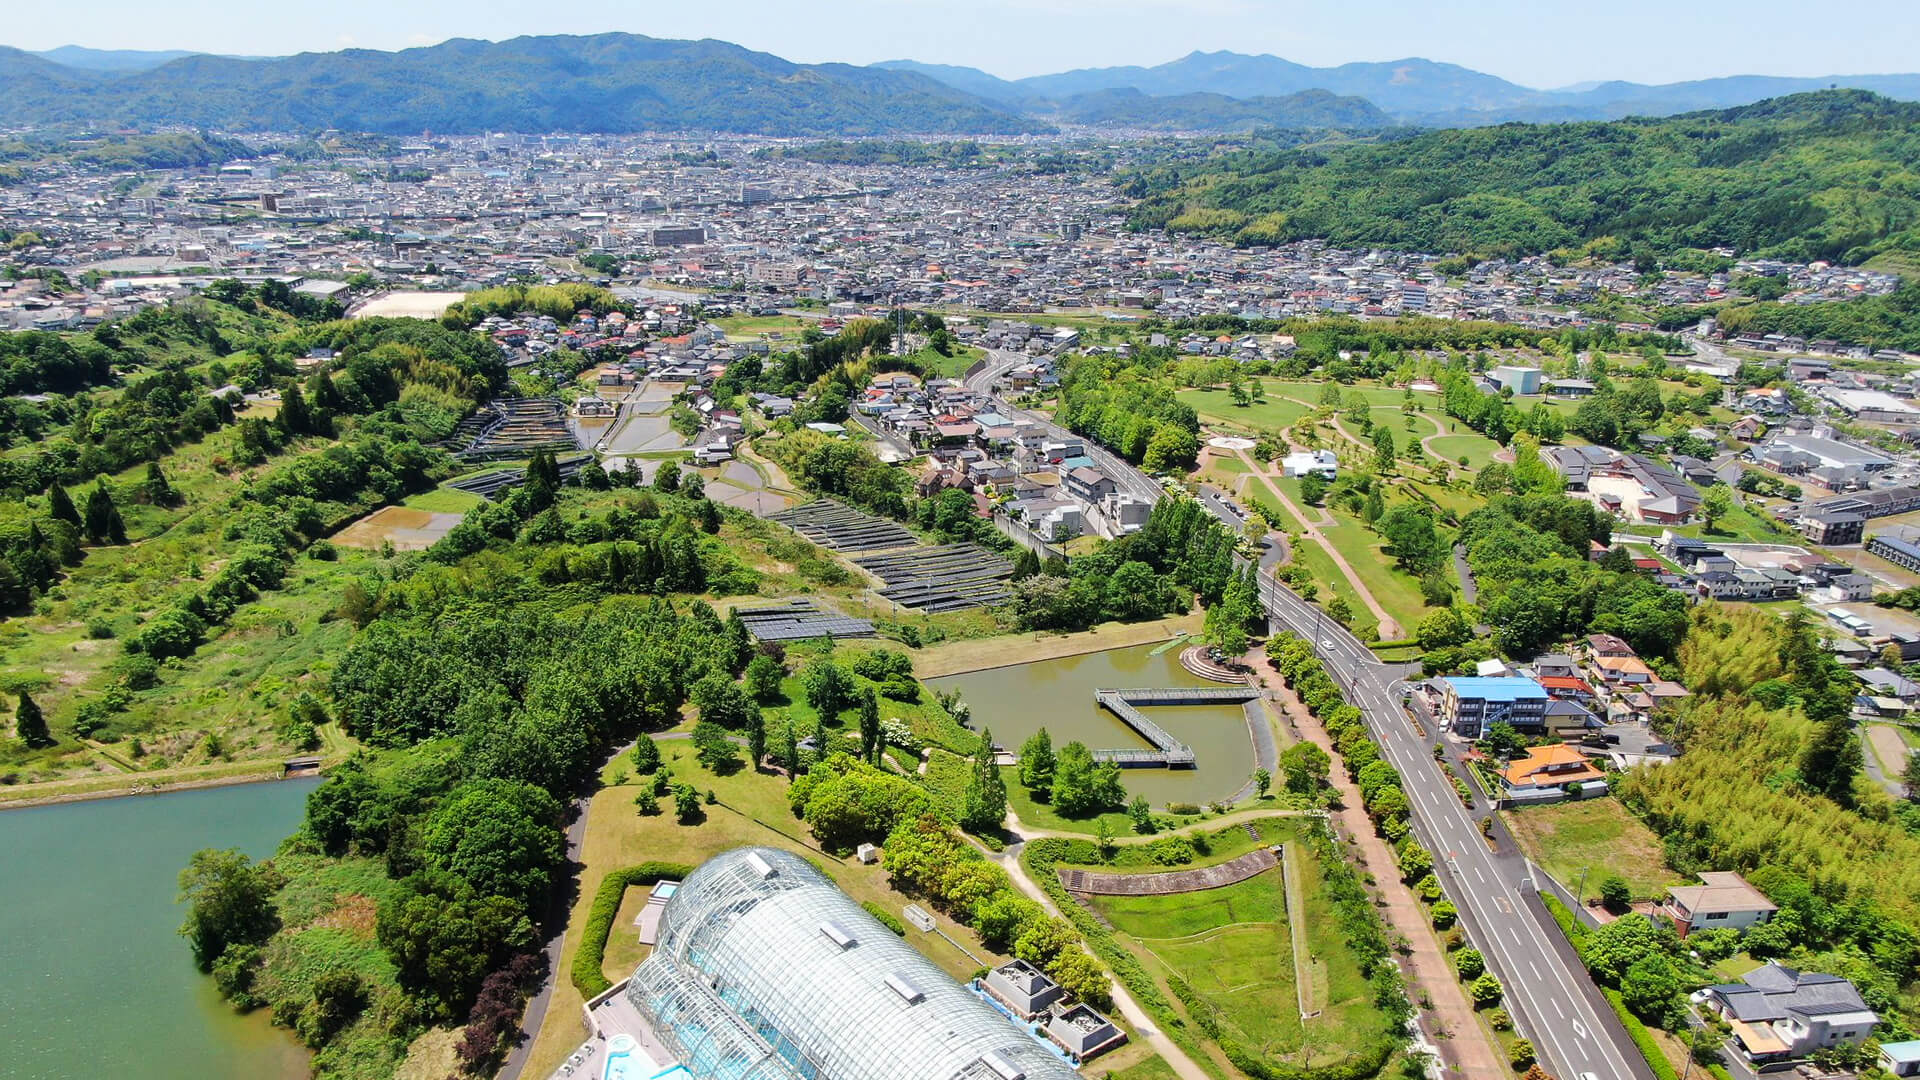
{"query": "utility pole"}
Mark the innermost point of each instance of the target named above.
(1580, 891)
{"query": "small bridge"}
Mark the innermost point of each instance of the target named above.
(1168, 752)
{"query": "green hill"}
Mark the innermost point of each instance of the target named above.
(1827, 175)
(610, 83)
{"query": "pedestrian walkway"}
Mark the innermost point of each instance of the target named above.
(1465, 1047)
(1389, 629)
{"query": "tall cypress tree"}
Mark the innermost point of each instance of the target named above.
(60, 506)
(103, 518)
(293, 417)
(984, 805)
(30, 724)
(159, 491)
(869, 726)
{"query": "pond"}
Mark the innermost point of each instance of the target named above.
(1057, 694)
(94, 980)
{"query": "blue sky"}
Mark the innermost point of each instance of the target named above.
(1542, 43)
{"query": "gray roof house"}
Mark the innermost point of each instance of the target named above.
(1779, 1013)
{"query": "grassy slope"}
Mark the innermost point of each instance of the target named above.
(1596, 835)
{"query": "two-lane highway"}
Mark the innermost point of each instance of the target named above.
(1548, 992)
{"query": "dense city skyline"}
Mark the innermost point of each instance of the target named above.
(1546, 49)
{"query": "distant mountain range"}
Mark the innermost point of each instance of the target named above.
(609, 83)
(618, 83)
(1412, 91)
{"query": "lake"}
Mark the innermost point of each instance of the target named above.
(94, 980)
(1057, 694)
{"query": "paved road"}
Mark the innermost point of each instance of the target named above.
(1130, 480)
(1549, 993)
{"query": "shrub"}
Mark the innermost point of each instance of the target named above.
(1520, 1053)
(1444, 914)
(1499, 1020)
(1486, 990)
(1471, 963)
(887, 918)
(587, 976)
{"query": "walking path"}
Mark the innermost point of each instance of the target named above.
(1464, 1044)
(1192, 879)
(1183, 1066)
(1389, 628)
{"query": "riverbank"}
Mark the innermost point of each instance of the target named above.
(1006, 650)
(158, 782)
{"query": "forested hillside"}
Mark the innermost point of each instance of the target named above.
(1829, 175)
(601, 83)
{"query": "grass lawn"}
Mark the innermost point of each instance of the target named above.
(1272, 414)
(1233, 946)
(1374, 393)
(618, 835)
(444, 500)
(1598, 835)
(1477, 449)
(1153, 1068)
(1394, 589)
(751, 327)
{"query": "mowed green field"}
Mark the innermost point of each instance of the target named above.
(1216, 406)
(1478, 450)
(1232, 946)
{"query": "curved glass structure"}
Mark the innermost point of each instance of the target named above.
(765, 970)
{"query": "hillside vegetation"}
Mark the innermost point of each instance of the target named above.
(1829, 175)
(602, 83)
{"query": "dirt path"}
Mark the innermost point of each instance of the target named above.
(1464, 1044)
(1183, 1066)
(1389, 628)
(1892, 751)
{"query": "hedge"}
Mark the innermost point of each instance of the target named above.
(587, 976)
(887, 918)
(1642, 1038)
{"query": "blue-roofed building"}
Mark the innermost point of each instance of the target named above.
(1901, 1058)
(1469, 704)
(1902, 553)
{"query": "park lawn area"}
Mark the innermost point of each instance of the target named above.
(751, 327)
(1039, 815)
(444, 500)
(1477, 449)
(1374, 393)
(617, 835)
(1231, 945)
(1272, 414)
(1459, 501)
(1151, 1068)
(1599, 836)
(1396, 590)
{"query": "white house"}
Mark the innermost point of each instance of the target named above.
(1302, 462)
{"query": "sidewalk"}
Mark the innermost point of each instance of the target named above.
(1464, 1045)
